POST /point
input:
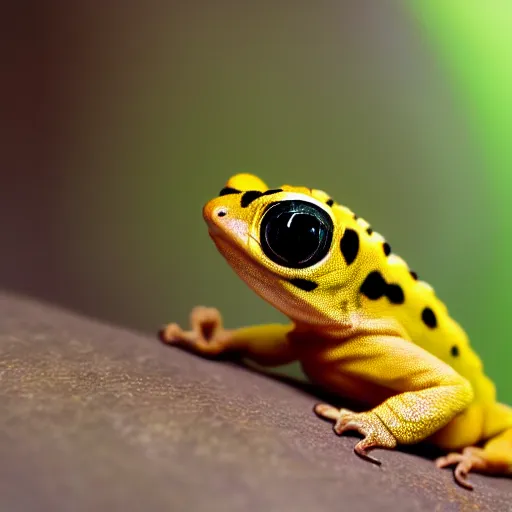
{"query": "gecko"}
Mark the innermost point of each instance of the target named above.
(362, 325)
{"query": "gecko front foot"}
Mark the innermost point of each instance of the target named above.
(206, 337)
(368, 424)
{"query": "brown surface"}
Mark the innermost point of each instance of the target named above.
(99, 418)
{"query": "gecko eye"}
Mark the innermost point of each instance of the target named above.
(296, 234)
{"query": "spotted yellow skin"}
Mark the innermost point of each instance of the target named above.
(388, 343)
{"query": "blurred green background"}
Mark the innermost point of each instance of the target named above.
(124, 118)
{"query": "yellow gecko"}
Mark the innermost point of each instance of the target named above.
(362, 325)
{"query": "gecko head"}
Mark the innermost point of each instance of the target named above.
(279, 241)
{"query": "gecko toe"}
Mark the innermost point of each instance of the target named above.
(326, 411)
(461, 472)
(170, 333)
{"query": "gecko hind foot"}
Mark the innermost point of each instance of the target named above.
(368, 424)
(472, 459)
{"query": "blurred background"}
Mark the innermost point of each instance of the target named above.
(123, 118)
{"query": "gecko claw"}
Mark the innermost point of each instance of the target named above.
(362, 448)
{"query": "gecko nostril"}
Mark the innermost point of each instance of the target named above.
(222, 212)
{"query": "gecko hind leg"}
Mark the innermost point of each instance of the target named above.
(495, 458)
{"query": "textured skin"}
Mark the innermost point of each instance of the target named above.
(385, 340)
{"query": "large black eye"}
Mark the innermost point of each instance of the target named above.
(296, 234)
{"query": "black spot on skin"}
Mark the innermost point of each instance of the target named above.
(252, 195)
(395, 294)
(455, 351)
(304, 284)
(414, 275)
(387, 248)
(272, 191)
(228, 190)
(355, 217)
(330, 202)
(249, 197)
(429, 318)
(349, 245)
(374, 286)
(369, 231)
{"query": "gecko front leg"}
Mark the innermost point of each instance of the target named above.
(266, 345)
